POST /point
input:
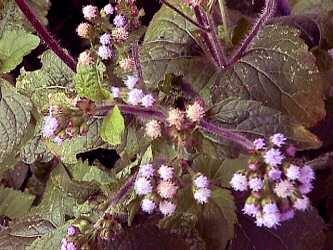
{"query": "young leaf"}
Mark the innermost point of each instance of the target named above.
(54, 77)
(14, 204)
(88, 82)
(14, 45)
(113, 127)
(14, 120)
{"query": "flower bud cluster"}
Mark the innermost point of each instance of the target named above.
(279, 185)
(201, 190)
(193, 113)
(60, 124)
(158, 189)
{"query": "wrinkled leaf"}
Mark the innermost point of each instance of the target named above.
(21, 234)
(14, 203)
(54, 77)
(61, 195)
(50, 241)
(254, 120)
(15, 117)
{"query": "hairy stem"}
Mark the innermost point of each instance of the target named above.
(211, 38)
(45, 35)
(141, 112)
(135, 55)
(270, 6)
(123, 191)
(200, 26)
(226, 134)
(151, 113)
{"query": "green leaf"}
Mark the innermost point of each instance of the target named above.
(84, 172)
(89, 82)
(279, 71)
(54, 77)
(68, 150)
(22, 233)
(50, 241)
(11, 16)
(217, 220)
(15, 117)
(254, 120)
(167, 47)
(113, 127)
(62, 194)
(14, 45)
(14, 203)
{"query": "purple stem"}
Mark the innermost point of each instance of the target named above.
(268, 12)
(205, 125)
(226, 134)
(136, 58)
(133, 110)
(45, 35)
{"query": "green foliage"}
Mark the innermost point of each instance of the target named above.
(253, 119)
(14, 204)
(50, 241)
(290, 82)
(113, 127)
(217, 220)
(89, 82)
(84, 172)
(62, 194)
(14, 45)
(22, 233)
(54, 77)
(15, 116)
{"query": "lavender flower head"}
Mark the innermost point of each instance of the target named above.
(50, 126)
(119, 21)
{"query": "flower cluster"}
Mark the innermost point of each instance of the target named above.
(97, 25)
(278, 184)
(201, 191)
(160, 190)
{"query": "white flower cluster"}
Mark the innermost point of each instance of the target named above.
(201, 191)
(278, 186)
(165, 190)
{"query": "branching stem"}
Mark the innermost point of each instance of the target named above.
(45, 35)
(211, 38)
(200, 26)
(270, 6)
